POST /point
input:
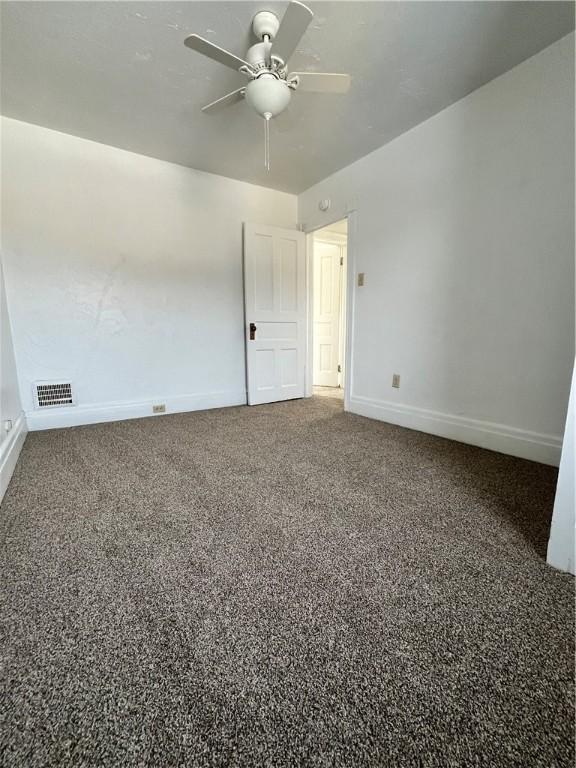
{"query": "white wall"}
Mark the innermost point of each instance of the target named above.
(465, 231)
(563, 530)
(124, 275)
(12, 422)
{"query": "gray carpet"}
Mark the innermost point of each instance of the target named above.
(280, 586)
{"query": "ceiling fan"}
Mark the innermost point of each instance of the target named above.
(270, 88)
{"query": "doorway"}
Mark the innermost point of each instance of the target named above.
(329, 269)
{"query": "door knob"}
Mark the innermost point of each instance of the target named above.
(252, 331)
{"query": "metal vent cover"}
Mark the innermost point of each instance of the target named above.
(52, 394)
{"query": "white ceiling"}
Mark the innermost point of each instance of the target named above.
(118, 73)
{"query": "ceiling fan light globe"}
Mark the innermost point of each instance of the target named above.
(268, 95)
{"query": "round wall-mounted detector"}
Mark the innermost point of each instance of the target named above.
(324, 205)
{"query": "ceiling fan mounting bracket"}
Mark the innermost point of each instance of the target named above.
(265, 24)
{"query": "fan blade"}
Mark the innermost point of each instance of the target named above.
(213, 51)
(293, 25)
(230, 98)
(321, 82)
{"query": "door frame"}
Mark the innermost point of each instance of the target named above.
(350, 300)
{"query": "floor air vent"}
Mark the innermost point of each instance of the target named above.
(53, 394)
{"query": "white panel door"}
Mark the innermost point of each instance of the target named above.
(326, 335)
(275, 303)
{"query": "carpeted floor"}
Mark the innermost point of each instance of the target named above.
(283, 585)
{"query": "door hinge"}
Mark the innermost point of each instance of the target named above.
(341, 261)
(339, 369)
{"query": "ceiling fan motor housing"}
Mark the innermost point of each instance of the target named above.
(258, 55)
(268, 95)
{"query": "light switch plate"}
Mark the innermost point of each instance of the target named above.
(396, 380)
(360, 279)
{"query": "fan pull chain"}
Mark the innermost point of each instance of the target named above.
(267, 117)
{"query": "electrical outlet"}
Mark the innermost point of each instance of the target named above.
(8, 425)
(159, 408)
(361, 276)
(396, 380)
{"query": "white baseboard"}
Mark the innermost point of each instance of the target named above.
(9, 452)
(496, 437)
(485, 434)
(75, 416)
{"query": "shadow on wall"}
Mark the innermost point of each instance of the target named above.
(469, 258)
(494, 262)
